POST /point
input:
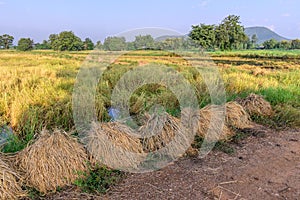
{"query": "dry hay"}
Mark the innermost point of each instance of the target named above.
(256, 105)
(210, 120)
(158, 131)
(114, 145)
(52, 161)
(236, 116)
(10, 182)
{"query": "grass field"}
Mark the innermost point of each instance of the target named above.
(36, 87)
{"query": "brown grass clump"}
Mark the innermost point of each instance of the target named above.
(158, 131)
(256, 105)
(236, 116)
(52, 161)
(10, 182)
(209, 120)
(114, 145)
(165, 135)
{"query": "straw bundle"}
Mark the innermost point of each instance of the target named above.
(158, 131)
(236, 116)
(256, 105)
(10, 182)
(52, 161)
(114, 145)
(211, 119)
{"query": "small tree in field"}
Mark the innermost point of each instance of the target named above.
(6, 41)
(25, 44)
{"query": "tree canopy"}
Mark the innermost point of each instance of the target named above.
(66, 41)
(6, 41)
(25, 44)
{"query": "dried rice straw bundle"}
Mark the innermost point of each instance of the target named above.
(114, 145)
(52, 161)
(211, 119)
(256, 105)
(10, 182)
(236, 116)
(165, 138)
(158, 131)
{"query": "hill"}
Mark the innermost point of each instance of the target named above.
(263, 34)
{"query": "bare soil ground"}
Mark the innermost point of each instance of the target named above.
(265, 166)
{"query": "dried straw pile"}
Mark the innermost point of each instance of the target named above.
(10, 182)
(114, 145)
(52, 161)
(236, 116)
(209, 119)
(256, 105)
(158, 131)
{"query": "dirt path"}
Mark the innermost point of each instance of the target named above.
(262, 168)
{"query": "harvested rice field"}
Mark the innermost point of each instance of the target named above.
(44, 156)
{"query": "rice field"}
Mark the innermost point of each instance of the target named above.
(36, 87)
(36, 94)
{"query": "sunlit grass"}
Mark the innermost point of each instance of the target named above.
(36, 87)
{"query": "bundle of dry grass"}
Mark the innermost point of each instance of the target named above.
(158, 131)
(10, 182)
(256, 105)
(114, 145)
(52, 161)
(236, 116)
(211, 119)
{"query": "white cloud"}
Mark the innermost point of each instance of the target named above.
(286, 15)
(2, 3)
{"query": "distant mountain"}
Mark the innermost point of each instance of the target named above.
(263, 34)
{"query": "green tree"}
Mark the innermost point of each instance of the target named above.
(88, 44)
(204, 35)
(99, 45)
(6, 41)
(66, 41)
(114, 44)
(270, 44)
(44, 45)
(230, 34)
(254, 40)
(143, 42)
(295, 44)
(285, 45)
(25, 44)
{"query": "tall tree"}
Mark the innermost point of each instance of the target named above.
(114, 43)
(271, 44)
(6, 41)
(25, 44)
(88, 44)
(66, 41)
(254, 39)
(230, 33)
(143, 42)
(295, 44)
(204, 35)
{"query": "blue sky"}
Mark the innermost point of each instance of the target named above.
(98, 19)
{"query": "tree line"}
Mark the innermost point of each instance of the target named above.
(228, 35)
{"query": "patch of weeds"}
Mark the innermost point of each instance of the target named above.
(33, 193)
(98, 179)
(15, 144)
(223, 146)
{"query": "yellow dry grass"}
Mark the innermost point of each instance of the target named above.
(10, 182)
(114, 145)
(256, 105)
(52, 161)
